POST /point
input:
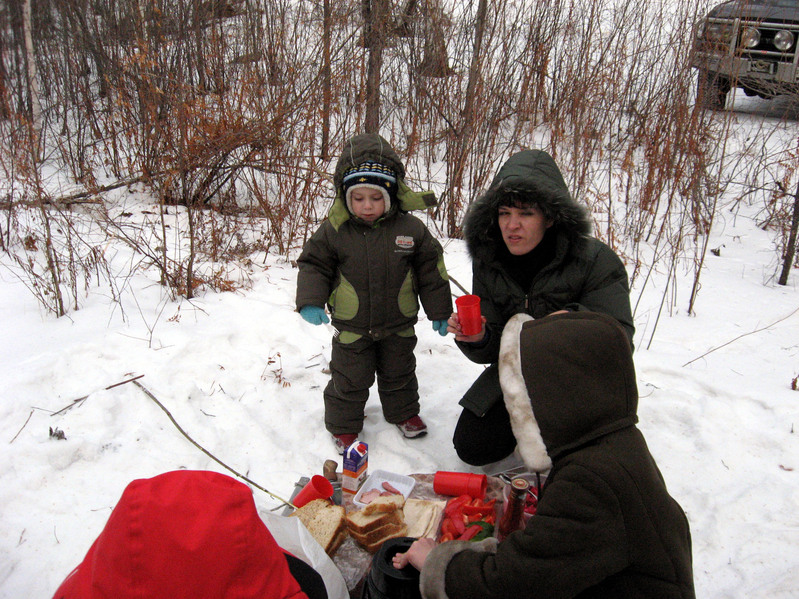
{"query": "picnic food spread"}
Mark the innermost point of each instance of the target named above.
(383, 509)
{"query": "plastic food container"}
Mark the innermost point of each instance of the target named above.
(403, 484)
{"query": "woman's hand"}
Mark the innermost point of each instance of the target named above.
(454, 327)
(416, 554)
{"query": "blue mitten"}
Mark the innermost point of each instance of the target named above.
(441, 327)
(314, 315)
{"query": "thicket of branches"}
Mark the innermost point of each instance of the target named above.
(231, 113)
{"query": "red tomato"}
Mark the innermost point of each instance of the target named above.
(446, 537)
(470, 532)
(447, 527)
(456, 504)
(460, 525)
(484, 508)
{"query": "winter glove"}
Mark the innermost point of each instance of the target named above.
(314, 315)
(441, 327)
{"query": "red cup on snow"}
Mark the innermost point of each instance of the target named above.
(460, 483)
(317, 488)
(468, 307)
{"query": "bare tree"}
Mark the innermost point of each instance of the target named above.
(377, 17)
(30, 61)
(790, 248)
(462, 136)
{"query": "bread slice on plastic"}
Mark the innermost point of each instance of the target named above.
(326, 522)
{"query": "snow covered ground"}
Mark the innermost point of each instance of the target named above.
(243, 375)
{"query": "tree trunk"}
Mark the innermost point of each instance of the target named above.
(30, 61)
(5, 99)
(435, 62)
(327, 92)
(404, 28)
(790, 249)
(461, 139)
(377, 14)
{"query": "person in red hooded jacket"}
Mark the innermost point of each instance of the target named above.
(190, 534)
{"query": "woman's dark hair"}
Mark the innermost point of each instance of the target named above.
(513, 197)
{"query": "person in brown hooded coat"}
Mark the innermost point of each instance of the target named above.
(605, 526)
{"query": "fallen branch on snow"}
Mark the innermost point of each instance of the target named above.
(82, 399)
(768, 326)
(204, 450)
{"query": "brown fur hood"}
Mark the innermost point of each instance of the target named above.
(567, 379)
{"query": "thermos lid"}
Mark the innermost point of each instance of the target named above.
(520, 484)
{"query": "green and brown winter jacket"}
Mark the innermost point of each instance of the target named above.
(372, 276)
(583, 273)
(606, 526)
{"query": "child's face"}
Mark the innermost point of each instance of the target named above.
(367, 204)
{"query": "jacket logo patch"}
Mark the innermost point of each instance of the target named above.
(404, 242)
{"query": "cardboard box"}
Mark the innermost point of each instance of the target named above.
(354, 470)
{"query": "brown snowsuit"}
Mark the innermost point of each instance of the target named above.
(372, 276)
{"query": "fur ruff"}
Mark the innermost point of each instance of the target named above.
(533, 174)
(433, 577)
(530, 444)
(386, 195)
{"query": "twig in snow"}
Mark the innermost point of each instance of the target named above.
(23, 426)
(82, 399)
(204, 450)
(768, 326)
(454, 280)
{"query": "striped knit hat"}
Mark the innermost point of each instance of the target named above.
(372, 175)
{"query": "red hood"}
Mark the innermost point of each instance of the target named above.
(183, 534)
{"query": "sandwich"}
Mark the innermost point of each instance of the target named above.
(378, 522)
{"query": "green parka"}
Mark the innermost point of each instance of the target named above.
(372, 276)
(606, 526)
(584, 274)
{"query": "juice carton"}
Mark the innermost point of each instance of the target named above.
(356, 461)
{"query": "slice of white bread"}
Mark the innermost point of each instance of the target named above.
(384, 503)
(374, 540)
(326, 522)
(379, 521)
(382, 532)
(360, 523)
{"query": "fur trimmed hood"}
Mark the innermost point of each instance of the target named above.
(534, 176)
(567, 379)
(371, 147)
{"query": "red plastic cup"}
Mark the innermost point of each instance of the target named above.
(468, 307)
(317, 488)
(460, 483)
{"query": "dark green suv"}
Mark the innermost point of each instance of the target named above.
(751, 44)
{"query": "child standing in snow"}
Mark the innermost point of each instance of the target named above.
(371, 262)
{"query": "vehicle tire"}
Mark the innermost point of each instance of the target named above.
(711, 91)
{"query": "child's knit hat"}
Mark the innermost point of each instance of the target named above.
(372, 175)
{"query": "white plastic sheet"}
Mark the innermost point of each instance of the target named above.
(292, 536)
